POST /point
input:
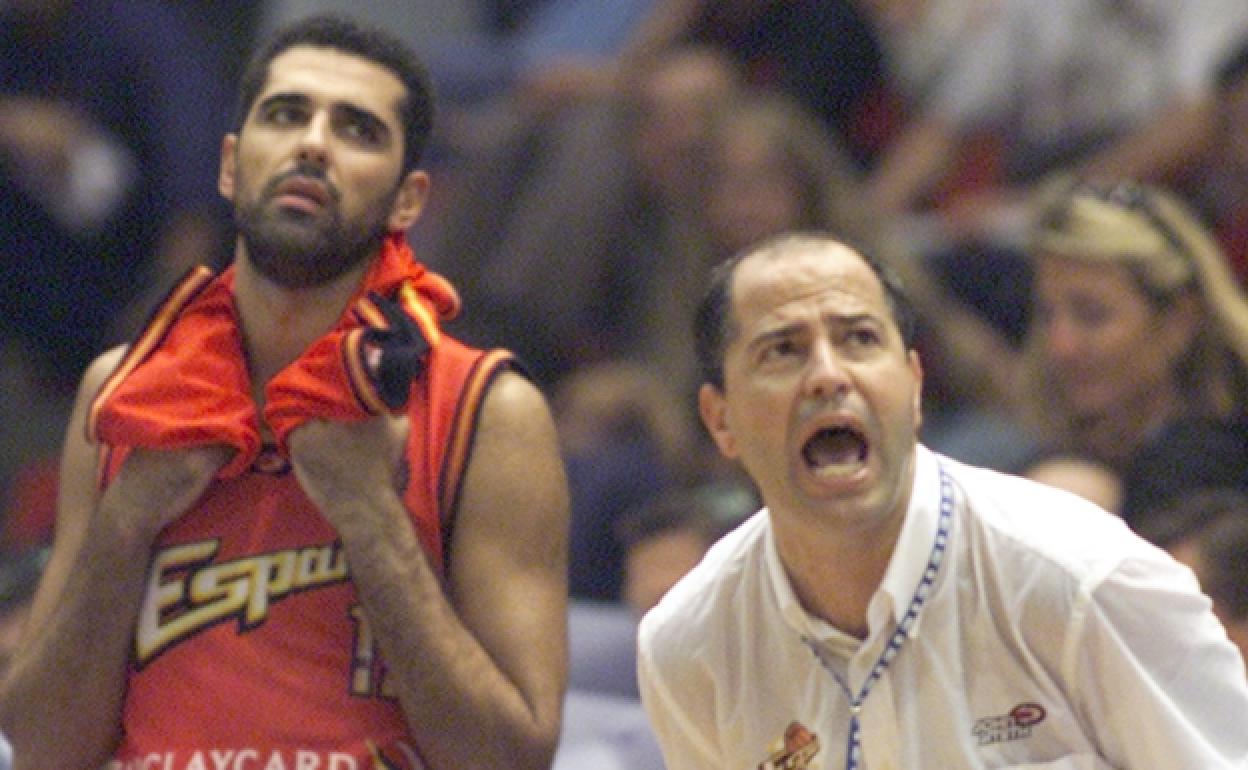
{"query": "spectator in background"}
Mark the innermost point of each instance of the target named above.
(667, 536)
(1104, 90)
(922, 42)
(774, 167)
(1208, 531)
(1138, 321)
(626, 438)
(111, 115)
(110, 121)
(822, 53)
(1120, 89)
(558, 235)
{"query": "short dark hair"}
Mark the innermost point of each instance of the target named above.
(713, 323)
(348, 36)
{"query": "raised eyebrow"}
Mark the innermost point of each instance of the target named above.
(295, 99)
(283, 98)
(853, 319)
(770, 335)
(364, 116)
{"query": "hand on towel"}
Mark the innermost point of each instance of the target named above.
(349, 469)
(156, 486)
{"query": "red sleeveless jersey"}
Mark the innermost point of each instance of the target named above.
(252, 651)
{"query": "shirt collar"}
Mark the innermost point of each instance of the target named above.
(905, 568)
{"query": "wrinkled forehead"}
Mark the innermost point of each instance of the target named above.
(831, 277)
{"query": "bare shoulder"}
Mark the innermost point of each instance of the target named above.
(513, 402)
(93, 379)
(514, 483)
(77, 491)
(515, 453)
(98, 371)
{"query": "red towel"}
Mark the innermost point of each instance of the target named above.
(184, 382)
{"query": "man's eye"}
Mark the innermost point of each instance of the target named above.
(360, 131)
(284, 115)
(864, 336)
(779, 349)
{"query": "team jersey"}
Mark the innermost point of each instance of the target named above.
(251, 650)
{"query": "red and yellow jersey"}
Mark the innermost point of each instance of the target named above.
(251, 649)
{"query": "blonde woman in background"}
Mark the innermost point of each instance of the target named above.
(1137, 321)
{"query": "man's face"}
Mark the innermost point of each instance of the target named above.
(314, 172)
(821, 399)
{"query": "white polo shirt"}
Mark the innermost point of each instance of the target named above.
(1051, 637)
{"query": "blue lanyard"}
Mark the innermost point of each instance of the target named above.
(853, 749)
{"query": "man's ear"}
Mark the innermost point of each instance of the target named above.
(714, 412)
(225, 174)
(413, 193)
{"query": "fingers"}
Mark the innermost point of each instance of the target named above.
(155, 487)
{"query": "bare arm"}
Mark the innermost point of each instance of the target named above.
(479, 666)
(60, 704)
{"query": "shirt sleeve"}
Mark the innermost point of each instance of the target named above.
(1160, 684)
(680, 710)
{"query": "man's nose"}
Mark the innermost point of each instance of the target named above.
(314, 141)
(827, 376)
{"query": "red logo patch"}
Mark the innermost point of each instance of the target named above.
(1028, 714)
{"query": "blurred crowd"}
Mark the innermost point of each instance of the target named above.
(1064, 186)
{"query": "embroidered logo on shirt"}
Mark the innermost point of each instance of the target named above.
(794, 751)
(1013, 726)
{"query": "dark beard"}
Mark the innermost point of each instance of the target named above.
(299, 251)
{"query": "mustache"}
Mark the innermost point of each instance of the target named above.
(314, 173)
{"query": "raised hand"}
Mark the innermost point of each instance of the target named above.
(155, 487)
(350, 465)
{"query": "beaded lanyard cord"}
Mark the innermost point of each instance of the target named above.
(939, 545)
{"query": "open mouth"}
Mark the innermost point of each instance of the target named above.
(835, 450)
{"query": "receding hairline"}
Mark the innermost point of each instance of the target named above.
(796, 246)
(785, 248)
(793, 244)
